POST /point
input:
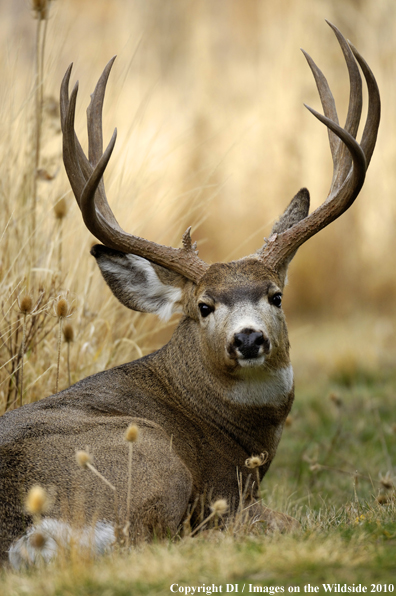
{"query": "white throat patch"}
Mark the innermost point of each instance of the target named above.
(271, 389)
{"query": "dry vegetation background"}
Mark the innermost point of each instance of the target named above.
(208, 100)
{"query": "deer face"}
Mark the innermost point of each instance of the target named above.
(240, 317)
(235, 308)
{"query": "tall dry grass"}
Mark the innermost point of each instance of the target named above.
(207, 98)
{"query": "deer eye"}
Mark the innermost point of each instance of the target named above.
(205, 309)
(276, 300)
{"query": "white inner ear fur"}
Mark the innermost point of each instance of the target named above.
(139, 286)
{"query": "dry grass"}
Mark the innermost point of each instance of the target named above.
(219, 558)
(208, 99)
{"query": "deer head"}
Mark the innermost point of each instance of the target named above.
(237, 305)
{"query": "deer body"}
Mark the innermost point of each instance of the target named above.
(197, 429)
(218, 393)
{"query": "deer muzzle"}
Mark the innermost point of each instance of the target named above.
(249, 344)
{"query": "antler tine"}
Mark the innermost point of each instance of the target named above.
(355, 94)
(95, 141)
(357, 173)
(341, 157)
(93, 218)
(350, 159)
(94, 116)
(87, 183)
(72, 147)
(370, 131)
(77, 165)
(327, 101)
(354, 108)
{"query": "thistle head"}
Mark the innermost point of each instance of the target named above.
(37, 540)
(37, 501)
(219, 507)
(132, 433)
(257, 460)
(62, 308)
(68, 333)
(83, 458)
(337, 401)
(26, 304)
(386, 481)
(60, 209)
(40, 9)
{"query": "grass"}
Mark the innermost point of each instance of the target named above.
(327, 473)
(212, 133)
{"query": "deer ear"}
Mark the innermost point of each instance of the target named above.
(297, 210)
(140, 284)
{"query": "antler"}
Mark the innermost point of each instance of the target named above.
(86, 180)
(350, 160)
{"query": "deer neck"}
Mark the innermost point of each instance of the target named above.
(245, 406)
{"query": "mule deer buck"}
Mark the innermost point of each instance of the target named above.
(219, 392)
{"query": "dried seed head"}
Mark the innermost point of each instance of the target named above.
(336, 399)
(36, 501)
(37, 540)
(68, 333)
(60, 208)
(289, 420)
(219, 507)
(257, 460)
(62, 308)
(83, 458)
(386, 481)
(40, 8)
(26, 304)
(43, 174)
(383, 499)
(132, 433)
(253, 462)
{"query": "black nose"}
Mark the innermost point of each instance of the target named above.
(248, 343)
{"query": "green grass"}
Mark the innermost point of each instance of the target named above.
(340, 441)
(327, 473)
